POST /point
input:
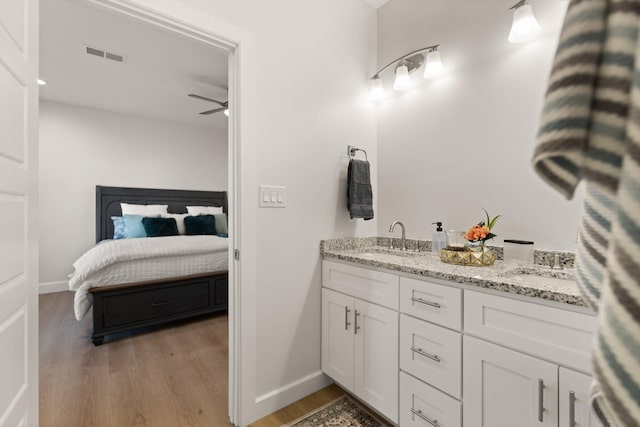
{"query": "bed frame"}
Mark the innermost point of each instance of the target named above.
(124, 307)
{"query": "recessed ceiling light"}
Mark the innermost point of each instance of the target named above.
(41, 82)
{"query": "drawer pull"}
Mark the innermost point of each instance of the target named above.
(422, 353)
(572, 409)
(356, 325)
(160, 303)
(541, 400)
(346, 318)
(419, 414)
(425, 302)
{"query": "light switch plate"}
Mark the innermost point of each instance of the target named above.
(273, 196)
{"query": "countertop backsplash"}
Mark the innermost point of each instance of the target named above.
(540, 256)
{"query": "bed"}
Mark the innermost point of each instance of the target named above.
(135, 293)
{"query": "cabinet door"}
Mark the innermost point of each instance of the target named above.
(574, 409)
(338, 337)
(505, 388)
(376, 357)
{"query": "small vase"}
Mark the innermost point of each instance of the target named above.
(476, 246)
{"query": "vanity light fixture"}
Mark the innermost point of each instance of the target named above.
(377, 89)
(524, 26)
(402, 81)
(405, 65)
(434, 68)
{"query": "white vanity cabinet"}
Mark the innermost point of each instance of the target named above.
(426, 353)
(360, 338)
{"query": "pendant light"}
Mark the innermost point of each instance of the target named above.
(434, 68)
(402, 81)
(524, 26)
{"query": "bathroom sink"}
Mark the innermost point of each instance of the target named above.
(541, 276)
(378, 252)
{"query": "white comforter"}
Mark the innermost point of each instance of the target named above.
(133, 260)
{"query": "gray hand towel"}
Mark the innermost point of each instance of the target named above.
(359, 192)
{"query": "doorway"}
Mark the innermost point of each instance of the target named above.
(233, 160)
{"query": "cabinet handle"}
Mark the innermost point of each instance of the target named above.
(346, 318)
(572, 409)
(159, 303)
(431, 421)
(356, 325)
(425, 302)
(422, 353)
(540, 400)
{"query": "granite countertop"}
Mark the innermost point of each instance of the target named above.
(534, 281)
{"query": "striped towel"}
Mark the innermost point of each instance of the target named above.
(590, 129)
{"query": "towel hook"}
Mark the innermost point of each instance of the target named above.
(351, 150)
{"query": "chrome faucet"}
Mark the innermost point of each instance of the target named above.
(403, 241)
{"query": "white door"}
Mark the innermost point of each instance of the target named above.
(574, 407)
(337, 337)
(18, 215)
(505, 388)
(376, 357)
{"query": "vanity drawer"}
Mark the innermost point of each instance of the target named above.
(418, 400)
(369, 285)
(432, 354)
(429, 301)
(561, 336)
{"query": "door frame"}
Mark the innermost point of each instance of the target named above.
(185, 20)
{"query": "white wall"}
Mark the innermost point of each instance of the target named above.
(464, 142)
(82, 147)
(313, 63)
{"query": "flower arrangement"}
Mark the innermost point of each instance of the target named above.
(482, 231)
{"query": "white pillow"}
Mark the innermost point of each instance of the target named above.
(179, 221)
(143, 210)
(204, 210)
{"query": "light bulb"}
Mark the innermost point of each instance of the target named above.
(525, 26)
(434, 67)
(41, 82)
(377, 90)
(226, 112)
(403, 81)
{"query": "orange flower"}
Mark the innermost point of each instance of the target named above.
(476, 233)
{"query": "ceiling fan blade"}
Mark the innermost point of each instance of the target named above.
(215, 110)
(204, 98)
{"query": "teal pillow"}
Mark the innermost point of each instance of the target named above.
(133, 227)
(200, 224)
(221, 223)
(158, 227)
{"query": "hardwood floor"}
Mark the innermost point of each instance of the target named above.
(301, 407)
(304, 406)
(169, 376)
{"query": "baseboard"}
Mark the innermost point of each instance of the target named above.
(51, 287)
(274, 400)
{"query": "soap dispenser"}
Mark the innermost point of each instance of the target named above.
(439, 240)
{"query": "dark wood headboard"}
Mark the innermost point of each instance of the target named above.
(108, 203)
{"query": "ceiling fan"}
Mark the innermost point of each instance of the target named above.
(224, 106)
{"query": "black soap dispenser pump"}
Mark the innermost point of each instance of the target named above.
(439, 240)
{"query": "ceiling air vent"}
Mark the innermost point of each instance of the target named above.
(90, 50)
(94, 51)
(114, 57)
